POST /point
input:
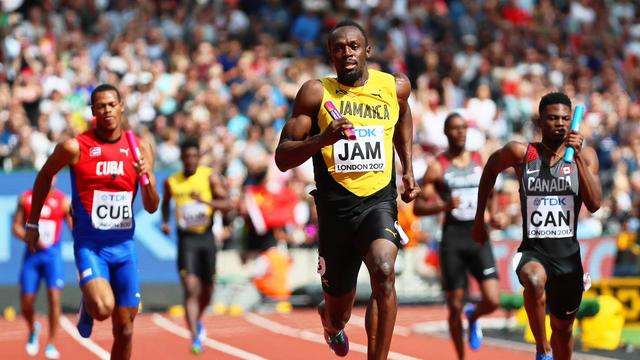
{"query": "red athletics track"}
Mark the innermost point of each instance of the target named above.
(253, 336)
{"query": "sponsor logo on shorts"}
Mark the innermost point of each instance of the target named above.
(86, 273)
(572, 311)
(488, 271)
(322, 266)
(59, 283)
(138, 295)
(392, 232)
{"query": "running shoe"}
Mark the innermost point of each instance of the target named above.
(202, 332)
(33, 345)
(196, 346)
(85, 322)
(50, 352)
(475, 332)
(339, 343)
(544, 357)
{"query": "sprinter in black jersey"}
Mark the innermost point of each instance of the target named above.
(552, 192)
(450, 185)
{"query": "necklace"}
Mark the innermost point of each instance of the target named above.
(550, 149)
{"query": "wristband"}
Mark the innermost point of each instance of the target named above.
(31, 226)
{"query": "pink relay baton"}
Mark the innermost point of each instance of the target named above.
(335, 115)
(144, 179)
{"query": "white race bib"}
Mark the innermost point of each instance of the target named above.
(550, 216)
(366, 153)
(468, 202)
(47, 229)
(112, 210)
(193, 214)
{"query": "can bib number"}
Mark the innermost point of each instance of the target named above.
(47, 229)
(468, 202)
(112, 210)
(366, 153)
(550, 216)
(193, 214)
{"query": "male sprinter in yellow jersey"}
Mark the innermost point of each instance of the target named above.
(355, 180)
(197, 192)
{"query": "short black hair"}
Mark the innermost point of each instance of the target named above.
(346, 23)
(103, 88)
(553, 98)
(450, 118)
(189, 143)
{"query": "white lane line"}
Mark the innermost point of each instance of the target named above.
(70, 329)
(279, 328)
(171, 327)
(397, 330)
(440, 328)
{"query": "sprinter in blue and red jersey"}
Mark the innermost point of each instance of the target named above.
(104, 177)
(43, 264)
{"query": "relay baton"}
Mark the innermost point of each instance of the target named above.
(335, 114)
(133, 144)
(575, 126)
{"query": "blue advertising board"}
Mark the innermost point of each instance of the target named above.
(156, 251)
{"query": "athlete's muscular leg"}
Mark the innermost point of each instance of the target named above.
(98, 298)
(533, 277)
(561, 338)
(455, 303)
(205, 297)
(335, 311)
(122, 322)
(380, 260)
(490, 299)
(26, 308)
(54, 313)
(192, 291)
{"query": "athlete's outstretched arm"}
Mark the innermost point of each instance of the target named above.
(166, 208)
(588, 167)
(430, 201)
(220, 194)
(508, 156)
(18, 220)
(150, 197)
(68, 216)
(66, 153)
(296, 144)
(403, 138)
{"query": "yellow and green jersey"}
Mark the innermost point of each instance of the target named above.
(191, 215)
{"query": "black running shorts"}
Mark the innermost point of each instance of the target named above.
(564, 281)
(197, 255)
(343, 243)
(460, 255)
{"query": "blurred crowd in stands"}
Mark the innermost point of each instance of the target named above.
(227, 71)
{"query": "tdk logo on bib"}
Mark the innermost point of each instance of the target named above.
(550, 201)
(366, 153)
(369, 132)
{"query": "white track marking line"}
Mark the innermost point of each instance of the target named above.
(70, 329)
(440, 328)
(279, 328)
(171, 327)
(397, 330)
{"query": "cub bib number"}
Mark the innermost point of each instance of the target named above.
(550, 216)
(193, 214)
(47, 229)
(112, 210)
(366, 153)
